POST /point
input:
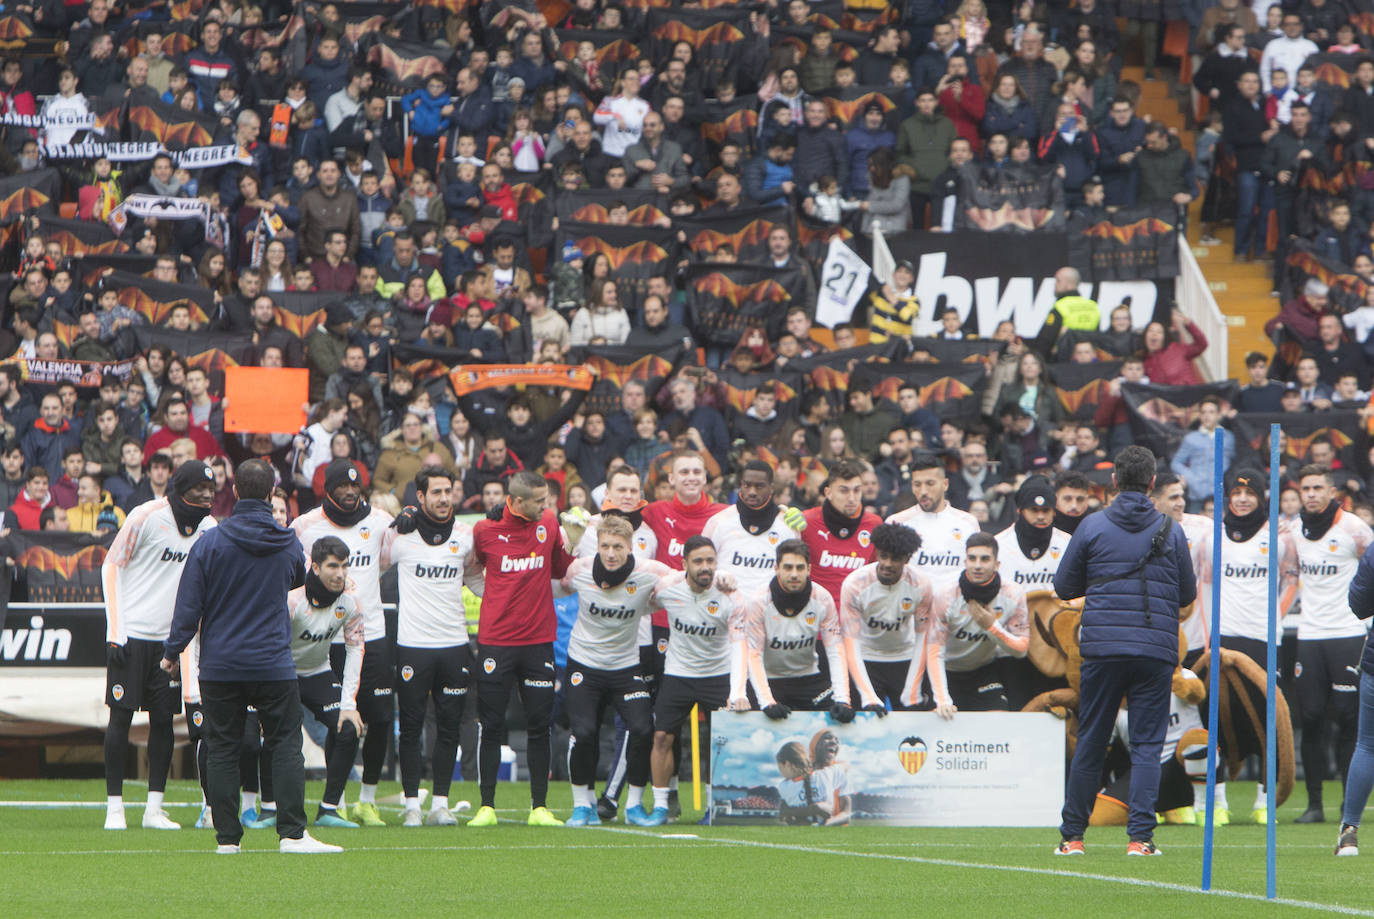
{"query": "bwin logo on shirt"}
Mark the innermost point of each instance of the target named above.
(170, 556)
(746, 561)
(531, 563)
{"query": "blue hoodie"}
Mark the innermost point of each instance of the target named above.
(1118, 619)
(233, 591)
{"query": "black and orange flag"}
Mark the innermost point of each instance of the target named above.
(172, 126)
(734, 122)
(154, 300)
(847, 105)
(1132, 244)
(1347, 288)
(614, 51)
(951, 391)
(723, 300)
(53, 567)
(967, 350)
(1160, 415)
(719, 37)
(848, 45)
(211, 351)
(745, 231)
(1081, 387)
(829, 372)
(428, 363)
(593, 205)
(1017, 201)
(616, 365)
(635, 253)
(404, 65)
(739, 390)
(29, 194)
(80, 237)
(300, 313)
(1343, 429)
(535, 206)
(1107, 346)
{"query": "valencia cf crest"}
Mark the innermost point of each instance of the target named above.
(713, 607)
(662, 646)
(365, 532)
(1035, 553)
(197, 718)
(843, 533)
(407, 673)
(576, 678)
(641, 543)
(1054, 553)
(912, 754)
(908, 604)
(1297, 672)
(772, 539)
(753, 529)
(863, 539)
(1264, 547)
(630, 589)
(958, 535)
(338, 612)
(453, 547)
(810, 617)
(540, 533)
(1331, 545)
(489, 665)
(117, 690)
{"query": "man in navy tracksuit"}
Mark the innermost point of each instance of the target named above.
(1132, 566)
(233, 592)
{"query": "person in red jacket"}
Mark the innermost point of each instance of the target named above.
(962, 101)
(496, 191)
(26, 510)
(522, 552)
(839, 532)
(1171, 362)
(176, 425)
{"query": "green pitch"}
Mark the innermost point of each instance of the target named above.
(56, 860)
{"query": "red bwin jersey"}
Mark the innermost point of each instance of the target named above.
(834, 558)
(521, 560)
(673, 524)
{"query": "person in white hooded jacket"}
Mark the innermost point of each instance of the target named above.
(602, 317)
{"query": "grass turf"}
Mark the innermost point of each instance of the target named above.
(58, 861)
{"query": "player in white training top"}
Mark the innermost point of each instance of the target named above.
(1169, 499)
(615, 590)
(322, 609)
(433, 558)
(705, 658)
(972, 619)
(782, 626)
(747, 534)
(885, 614)
(1330, 637)
(943, 527)
(346, 515)
(140, 575)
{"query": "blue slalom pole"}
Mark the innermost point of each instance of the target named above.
(1214, 646)
(1271, 666)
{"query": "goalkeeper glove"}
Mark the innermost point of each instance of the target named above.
(876, 708)
(842, 712)
(793, 518)
(407, 521)
(777, 711)
(116, 655)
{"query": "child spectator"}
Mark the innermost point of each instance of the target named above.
(430, 109)
(830, 205)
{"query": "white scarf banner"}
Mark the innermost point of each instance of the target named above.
(159, 207)
(77, 121)
(195, 158)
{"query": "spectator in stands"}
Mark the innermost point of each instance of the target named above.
(1315, 394)
(821, 149)
(1246, 132)
(923, 147)
(1216, 78)
(768, 178)
(32, 501)
(1359, 98)
(1169, 359)
(868, 135)
(706, 421)
(933, 62)
(1073, 149)
(1165, 169)
(403, 453)
(1035, 75)
(962, 100)
(1194, 462)
(653, 162)
(1299, 317)
(1120, 141)
(49, 437)
(1337, 357)
(325, 207)
(1009, 112)
(1260, 393)
(1288, 52)
(603, 319)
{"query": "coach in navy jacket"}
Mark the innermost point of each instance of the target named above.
(1132, 566)
(233, 592)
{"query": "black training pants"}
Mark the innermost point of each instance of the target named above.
(279, 709)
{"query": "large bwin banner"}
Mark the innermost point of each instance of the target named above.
(991, 277)
(908, 769)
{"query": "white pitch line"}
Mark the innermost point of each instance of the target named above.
(475, 848)
(1025, 869)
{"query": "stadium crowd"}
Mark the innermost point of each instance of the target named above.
(403, 205)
